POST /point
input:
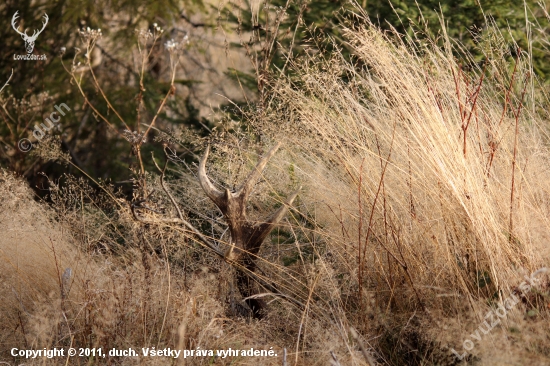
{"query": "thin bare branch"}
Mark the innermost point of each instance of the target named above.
(7, 82)
(334, 359)
(366, 355)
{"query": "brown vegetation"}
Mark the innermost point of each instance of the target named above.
(425, 201)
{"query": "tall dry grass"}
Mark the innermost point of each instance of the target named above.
(425, 201)
(430, 182)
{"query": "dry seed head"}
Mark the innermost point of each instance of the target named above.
(90, 35)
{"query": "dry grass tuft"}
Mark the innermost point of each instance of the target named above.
(426, 201)
(428, 184)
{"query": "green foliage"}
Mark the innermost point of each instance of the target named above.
(483, 279)
(282, 30)
(469, 22)
(36, 86)
(270, 34)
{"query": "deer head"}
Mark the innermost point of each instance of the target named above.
(29, 40)
(246, 237)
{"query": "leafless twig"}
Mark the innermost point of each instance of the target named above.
(7, 82)
(366, 355)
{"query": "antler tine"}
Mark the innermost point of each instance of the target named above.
(44, 23)
(263, 229)
(37, 32)
(245, 189)
(211, 191)
(13, 19)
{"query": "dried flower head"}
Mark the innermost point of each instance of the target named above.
(145, 34)
(89, 35)
(134, 137)
(174, 46)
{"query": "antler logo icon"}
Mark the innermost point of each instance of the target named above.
(29, 40)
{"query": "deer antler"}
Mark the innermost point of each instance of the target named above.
(245, 189)
(13, 19)
(29, 41)
(246, 237)
(24, 34)
(211, 191)
(35, 34)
